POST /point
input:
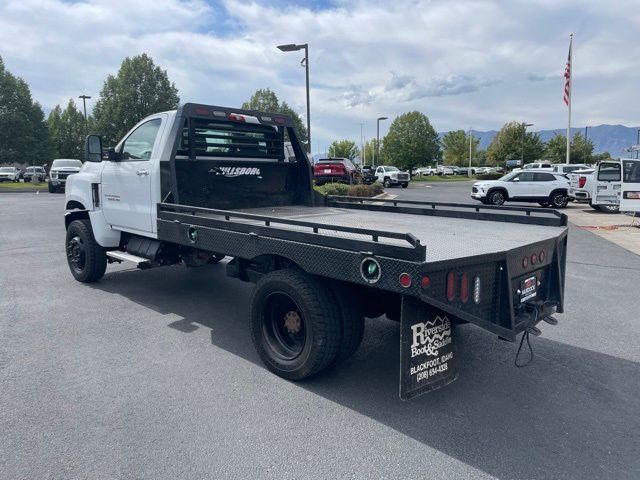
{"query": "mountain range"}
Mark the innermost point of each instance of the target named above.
(606, 138)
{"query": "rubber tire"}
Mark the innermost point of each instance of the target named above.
(386, 183)
(322, 323)
(552, 200)
(609, 209)
(96, 257)
(404, 185)
(52, 189)
(595, 207)
(352, 316)
(494, 201)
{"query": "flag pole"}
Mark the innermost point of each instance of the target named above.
(570, 61)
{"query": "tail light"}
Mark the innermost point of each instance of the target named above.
(405, 280)
(464, 288)
(581, 182)
(234, 117)
(534, 259)
(451, 286)
(541, 256)
(476, 290)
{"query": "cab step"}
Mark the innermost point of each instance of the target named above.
(120, 256)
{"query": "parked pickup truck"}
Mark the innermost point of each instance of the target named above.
(190, 186)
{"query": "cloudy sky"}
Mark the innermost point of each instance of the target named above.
(463, 63)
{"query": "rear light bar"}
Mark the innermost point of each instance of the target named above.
(234, 117)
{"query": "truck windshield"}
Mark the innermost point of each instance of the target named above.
(6, 169)
(225, 139)
(391, 169)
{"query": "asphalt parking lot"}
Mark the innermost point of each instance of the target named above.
(151, 374)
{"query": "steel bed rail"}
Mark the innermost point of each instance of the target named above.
(187, 213)
(547, 217)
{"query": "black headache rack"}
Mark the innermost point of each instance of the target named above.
(212, 143)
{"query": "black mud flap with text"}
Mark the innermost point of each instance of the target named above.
(427, 357)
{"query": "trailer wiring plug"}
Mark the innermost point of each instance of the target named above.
(531, 329)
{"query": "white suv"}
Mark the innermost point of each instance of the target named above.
(545, 188)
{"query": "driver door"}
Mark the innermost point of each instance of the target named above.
(126, 183)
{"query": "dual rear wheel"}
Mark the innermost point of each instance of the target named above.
(300, 325)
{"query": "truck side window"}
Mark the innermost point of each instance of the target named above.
(139, 145)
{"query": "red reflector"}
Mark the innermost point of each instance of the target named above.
(279, 120)
(534, 259)
(525, 262)
(451, 286)
(582, 181)
(235, 117)
(464, 288)
(203, 111)
(425, 282)
(541, 256)
(405, 280)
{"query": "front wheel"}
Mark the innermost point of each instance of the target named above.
(497, 198)
(87, 260)
(386, 183)
(558, 200)
(295, 324)
(405, 185)
(52, 189)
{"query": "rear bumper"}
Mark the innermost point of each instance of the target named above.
(579, 195)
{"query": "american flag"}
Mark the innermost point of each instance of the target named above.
(567, 77)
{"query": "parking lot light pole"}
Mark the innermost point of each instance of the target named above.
(377, 159)
(84, 106)
(638, 144)
(470, 154)
(524, 131)
(292, 47)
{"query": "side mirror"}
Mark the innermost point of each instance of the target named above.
(93, 148)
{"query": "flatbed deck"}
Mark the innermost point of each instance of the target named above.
(444, 238)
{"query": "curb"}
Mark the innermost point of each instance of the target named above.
(22, 190)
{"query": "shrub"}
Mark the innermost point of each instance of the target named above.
(342, 189)
(489, 176)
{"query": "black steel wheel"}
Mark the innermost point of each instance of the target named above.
(295, 324)
(558, 200)
(87, 260)
(497, 198)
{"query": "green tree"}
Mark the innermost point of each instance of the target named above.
(265, 100)
(508, 143)
(67, 131)
(581, 149)
(23, 131)
(344, 149)
(411, 142)
(139, 89)
(455, 146)
(600, 157)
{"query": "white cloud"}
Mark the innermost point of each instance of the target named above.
(464, 63)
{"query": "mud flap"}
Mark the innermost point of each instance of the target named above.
(427, 357)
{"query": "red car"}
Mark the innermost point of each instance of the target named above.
(342, 170)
